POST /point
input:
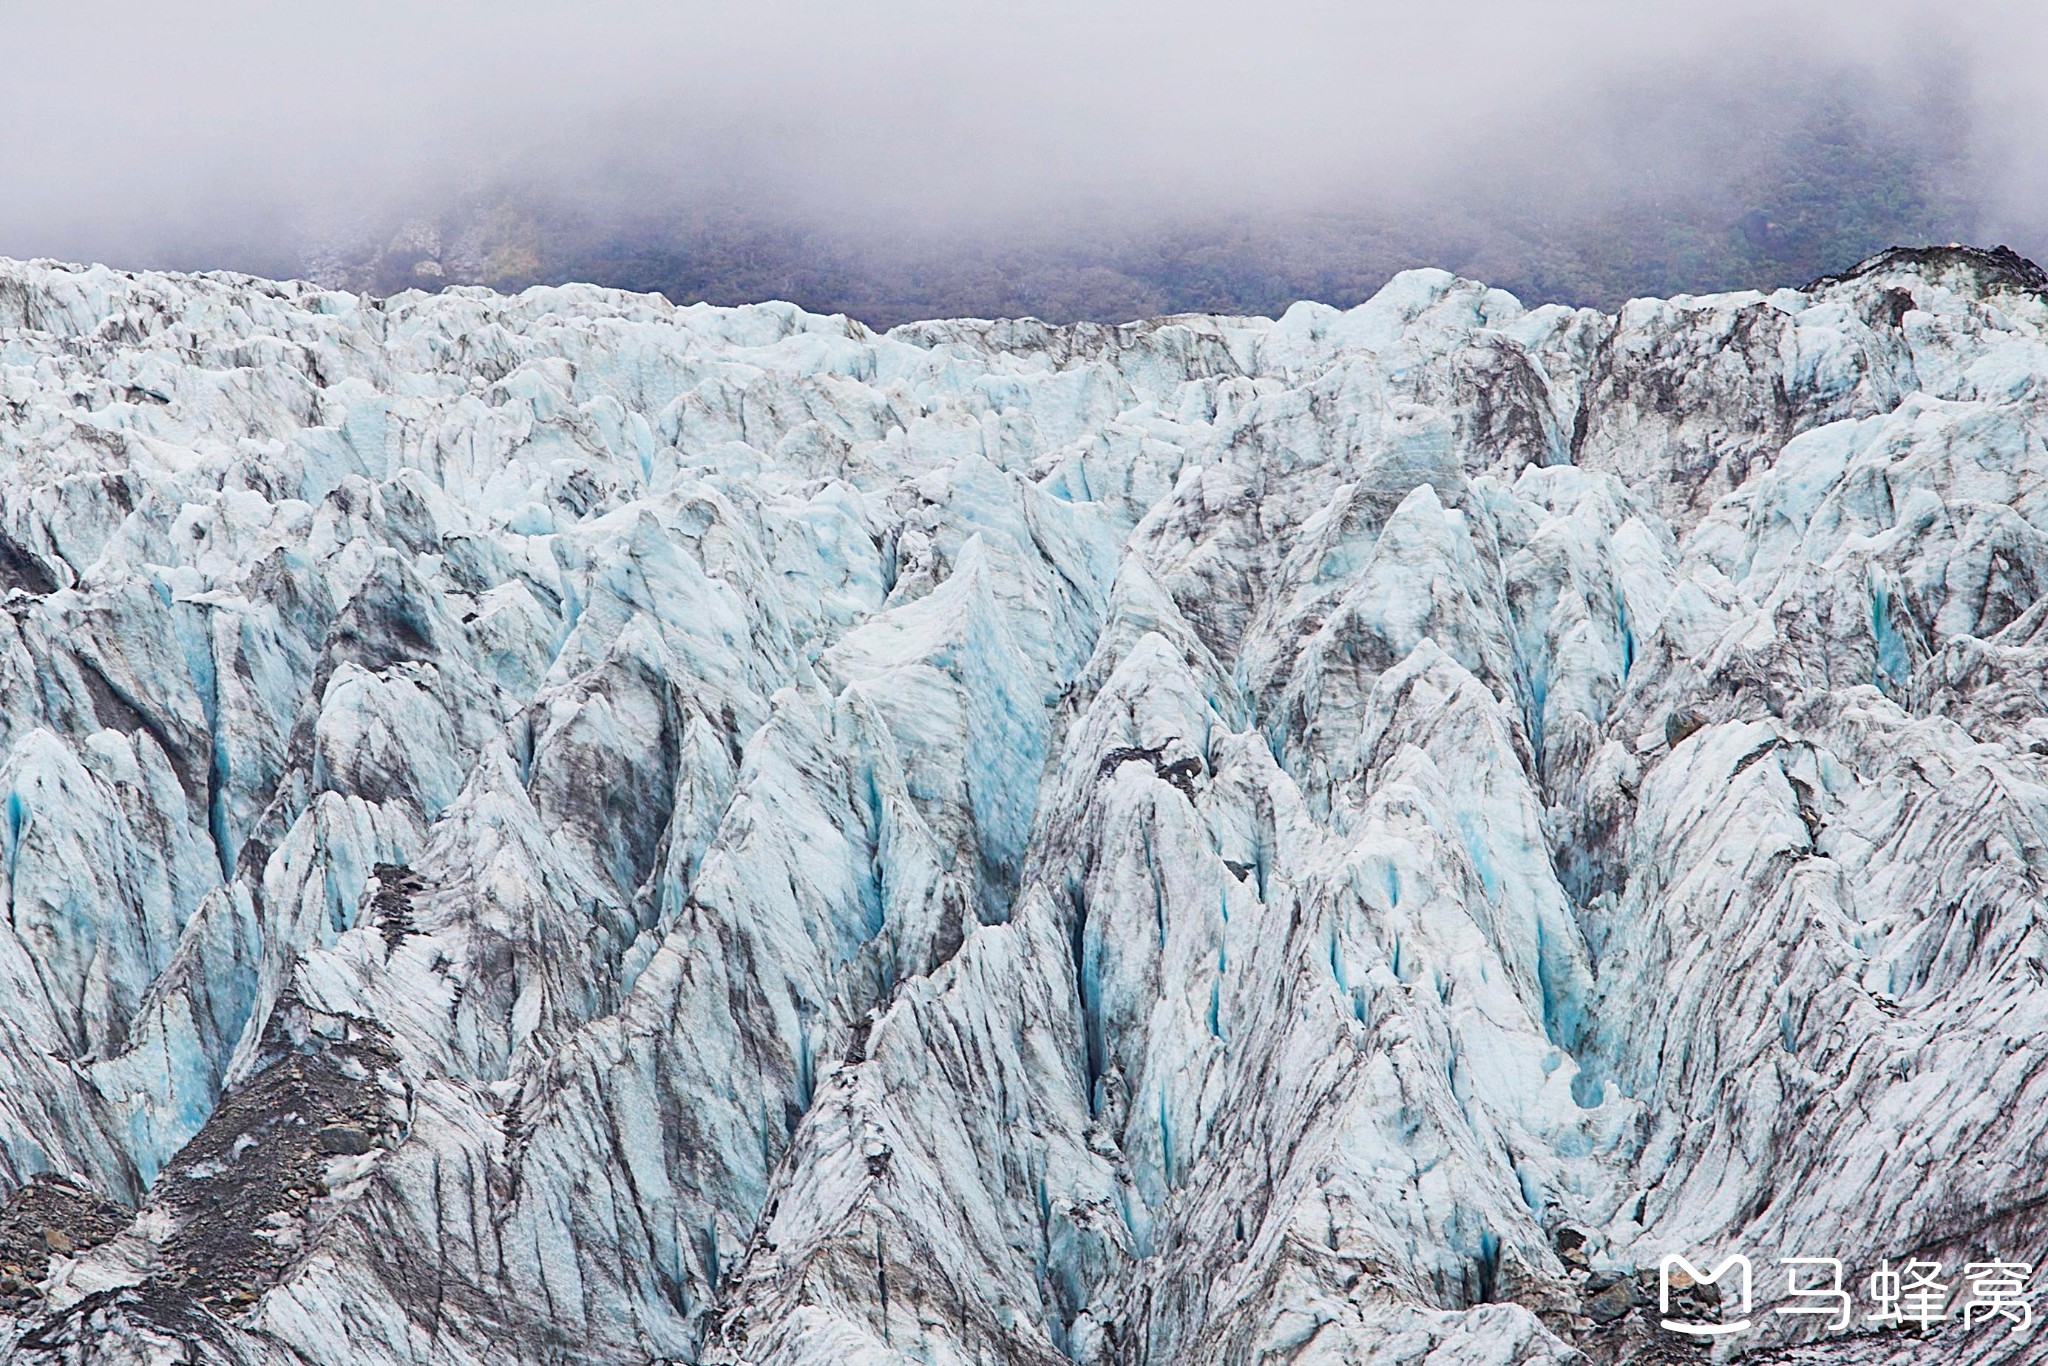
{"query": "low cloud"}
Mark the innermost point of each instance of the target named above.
(215, 133)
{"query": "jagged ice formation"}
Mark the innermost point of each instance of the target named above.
(563, 828)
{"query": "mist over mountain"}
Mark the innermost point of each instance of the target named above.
(1103, 165)
(1791, 177)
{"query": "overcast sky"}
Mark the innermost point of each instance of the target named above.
(123, 125)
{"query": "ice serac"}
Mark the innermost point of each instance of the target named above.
(564, 828)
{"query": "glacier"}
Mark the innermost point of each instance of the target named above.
(565, 828)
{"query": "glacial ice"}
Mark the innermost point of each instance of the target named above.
(560, 827)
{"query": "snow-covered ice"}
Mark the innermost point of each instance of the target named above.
(565, 828)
